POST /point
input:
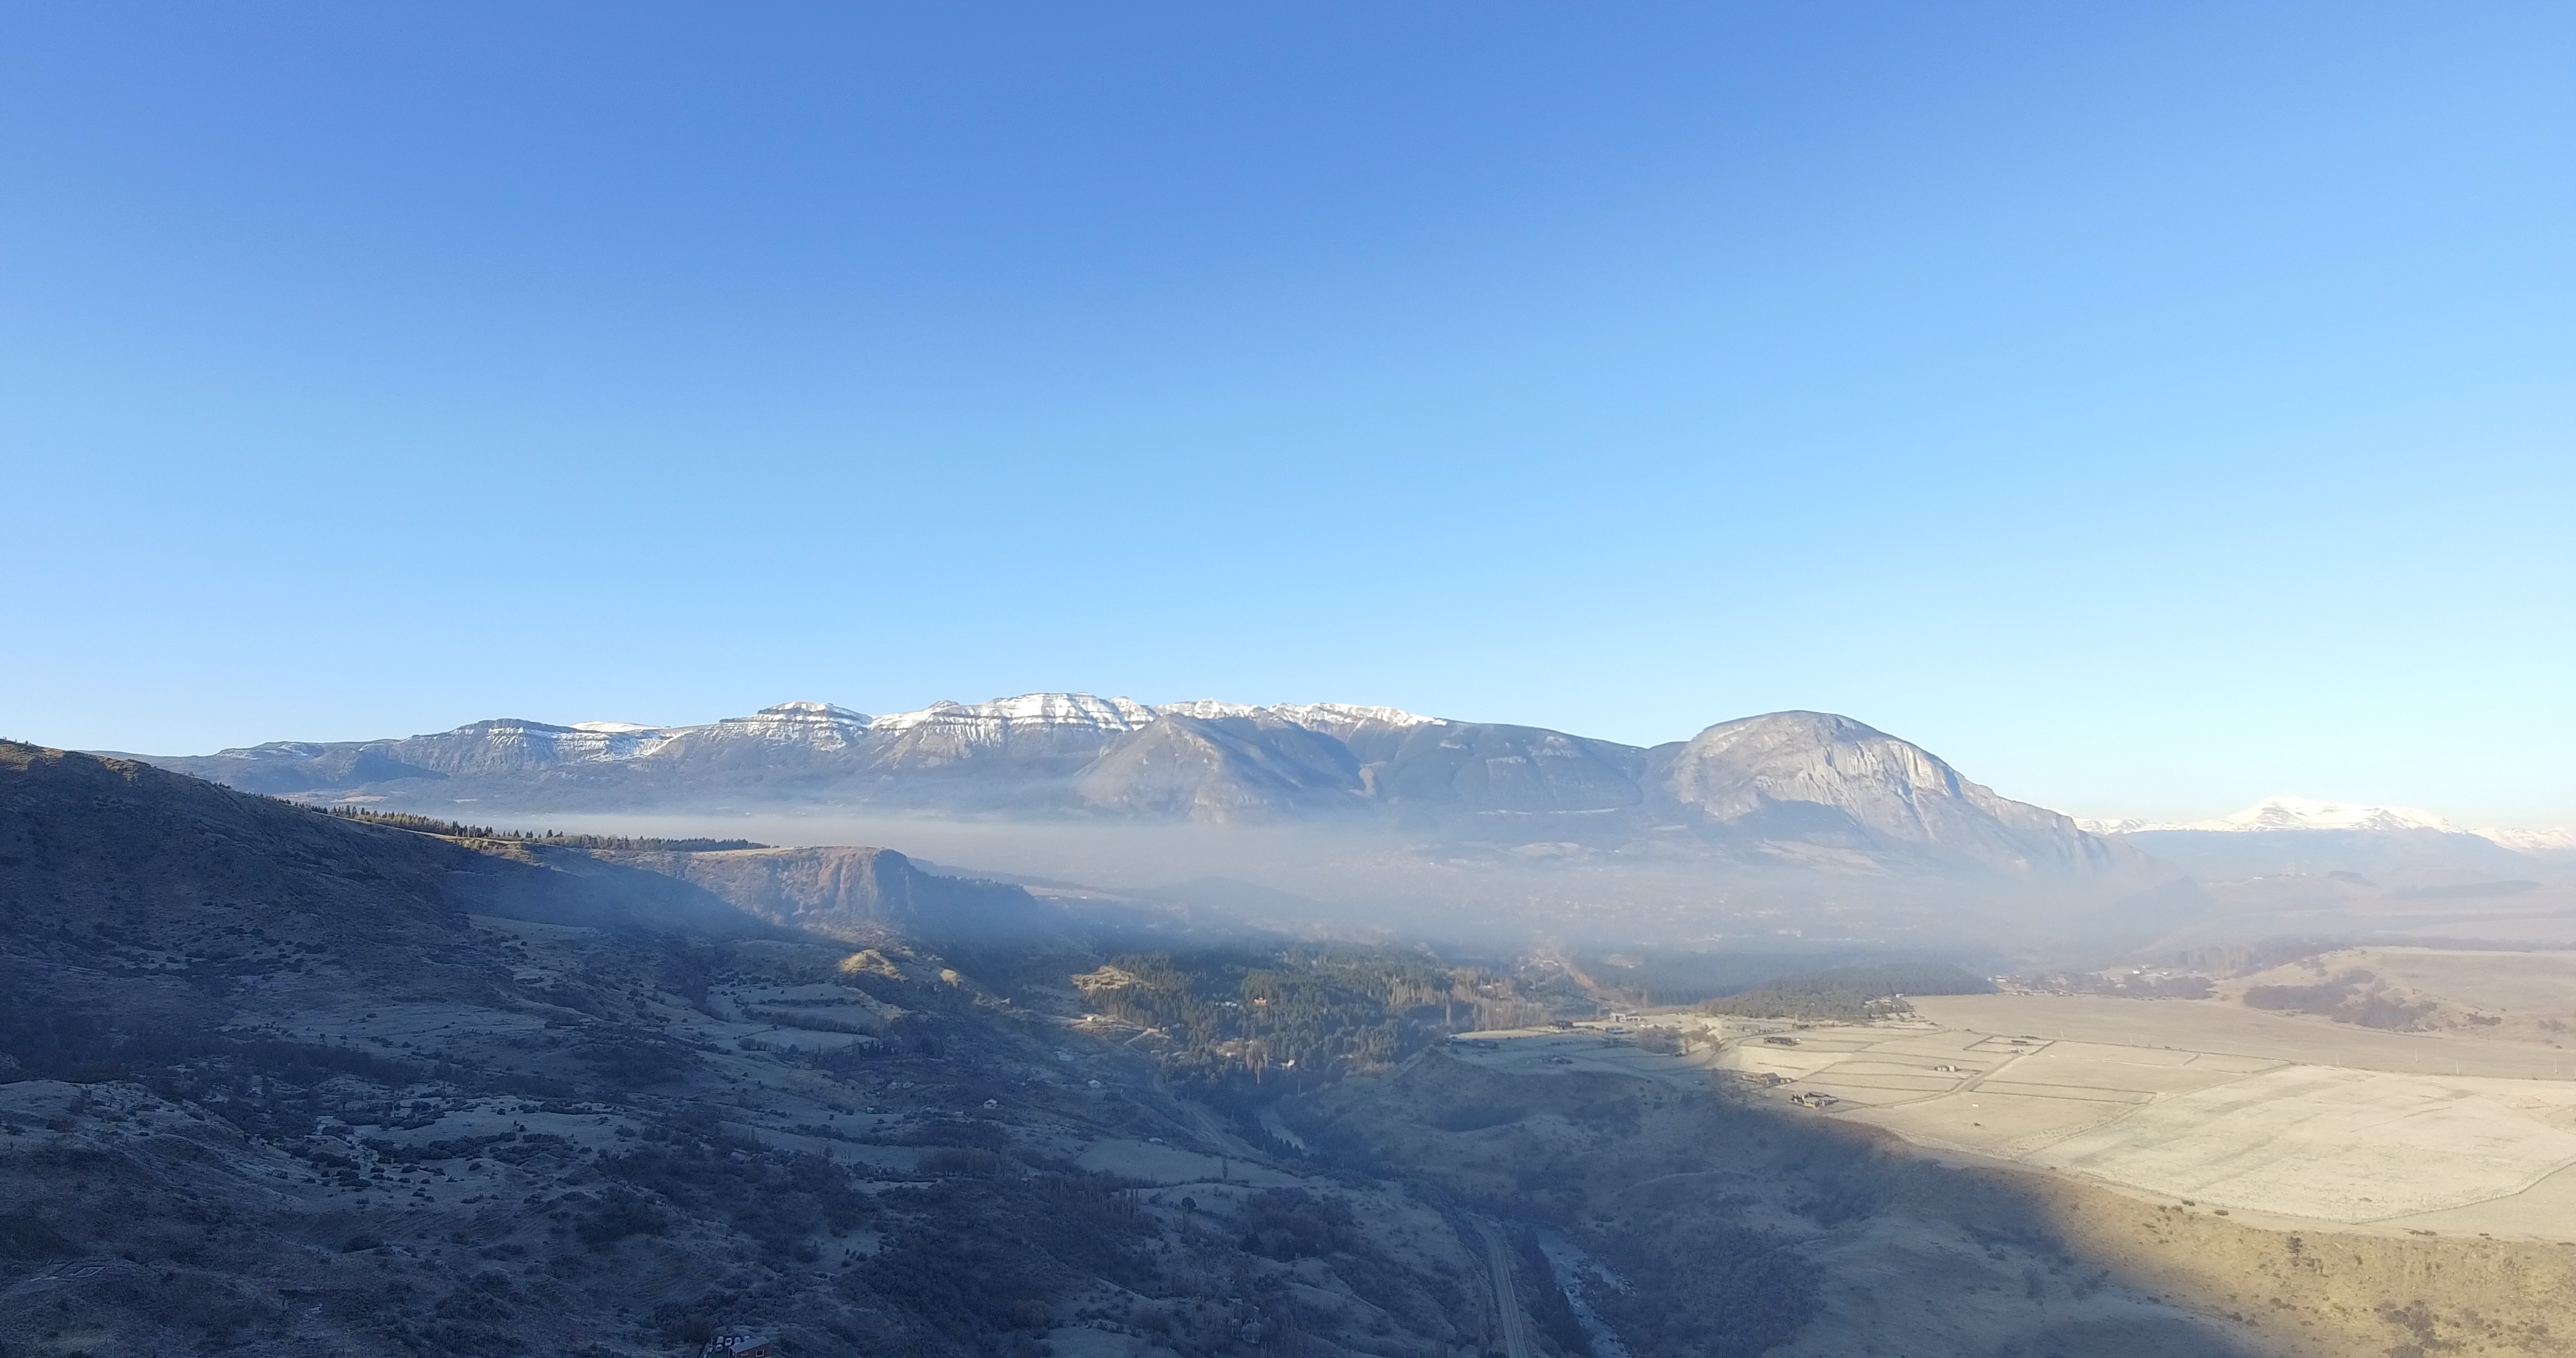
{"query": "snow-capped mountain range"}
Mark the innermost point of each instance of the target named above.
(2306, 814)
(1799, 783)
(825, 726)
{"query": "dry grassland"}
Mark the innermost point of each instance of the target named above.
(2288, 1120)
(1992, 1252)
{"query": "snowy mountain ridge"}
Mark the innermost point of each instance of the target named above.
(1783, 788)
(2305, 813)
(828, 726)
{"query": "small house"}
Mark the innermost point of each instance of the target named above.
(742, 1344)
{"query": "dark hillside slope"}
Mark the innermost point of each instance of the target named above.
(118, 850)
(142, 906)
(146, 910)
(277, 1083)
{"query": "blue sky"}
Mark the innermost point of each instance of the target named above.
(2146, 407)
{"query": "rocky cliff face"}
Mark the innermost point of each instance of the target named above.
(865, 895)
(1819, 777)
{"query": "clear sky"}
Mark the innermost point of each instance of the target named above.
(2147, 407)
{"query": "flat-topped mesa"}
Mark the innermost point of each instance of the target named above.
(819, 725)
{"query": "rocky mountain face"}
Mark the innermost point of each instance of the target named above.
(1788, 779)
(1816, 777)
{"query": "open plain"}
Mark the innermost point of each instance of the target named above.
(2282, 1120)
(2285, 1119)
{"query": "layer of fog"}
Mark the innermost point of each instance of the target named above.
(1387, 884)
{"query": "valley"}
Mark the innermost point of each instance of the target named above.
(298, 1083)
(1323, 681)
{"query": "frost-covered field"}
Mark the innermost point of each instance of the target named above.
(2270, 1122)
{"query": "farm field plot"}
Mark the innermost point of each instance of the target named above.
(2314, 1141)
(2260, 1125)
(2217, 1028)
(2234, 1109)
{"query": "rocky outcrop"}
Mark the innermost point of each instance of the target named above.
(854, 893)
(1816, 777)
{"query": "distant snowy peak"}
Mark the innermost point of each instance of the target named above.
(2561, 840)
(2288, 813)
(2302, 813)
(2124, 825)
(1338, 717)
(829, 726)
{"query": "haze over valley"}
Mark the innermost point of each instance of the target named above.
(1345, 813)
(1909, 671)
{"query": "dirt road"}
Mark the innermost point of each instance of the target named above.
(1507, 1301)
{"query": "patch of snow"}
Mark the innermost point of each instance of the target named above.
(1333, 719)
(504, 743)
(1343, 716)
(1029, 709)
(2560, 840)
(1208, 709)
(821, 726)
